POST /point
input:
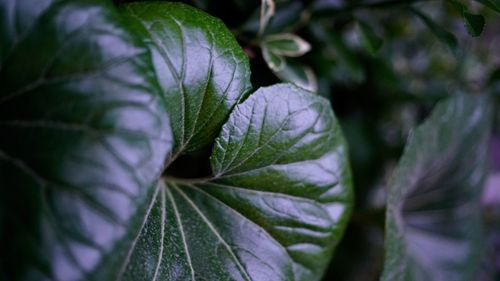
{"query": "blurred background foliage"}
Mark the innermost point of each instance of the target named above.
(383, 64)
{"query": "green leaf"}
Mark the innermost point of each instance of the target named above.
(287, 15)
(371, 40)
(84, 135)
(85, 148)
(201, 68)
(275, 47)
(300, 75)
(286, 44)
(492, 4)
(443, 35)
(273, 209)
(433, 223)
(273, 61)
(267, 9)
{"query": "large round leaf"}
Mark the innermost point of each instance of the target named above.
(201, 68)
(87, 136)
(83, 138)
(433, 227)
(274, 208)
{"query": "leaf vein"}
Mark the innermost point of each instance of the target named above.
(183, 235)
(214, 230)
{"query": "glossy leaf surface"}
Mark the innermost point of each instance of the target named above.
(85, 139)
(201, 68)
(84, 136)
(274, 209)
(433, 224)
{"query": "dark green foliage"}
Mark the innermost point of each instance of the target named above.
(433, 217)
(92, 124)
(84, 137)
(135, 146)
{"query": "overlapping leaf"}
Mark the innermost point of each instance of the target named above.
(280, 148)
(274, 208)
(87, 135)
(202, 70)
(433, 228)
(83, 138)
